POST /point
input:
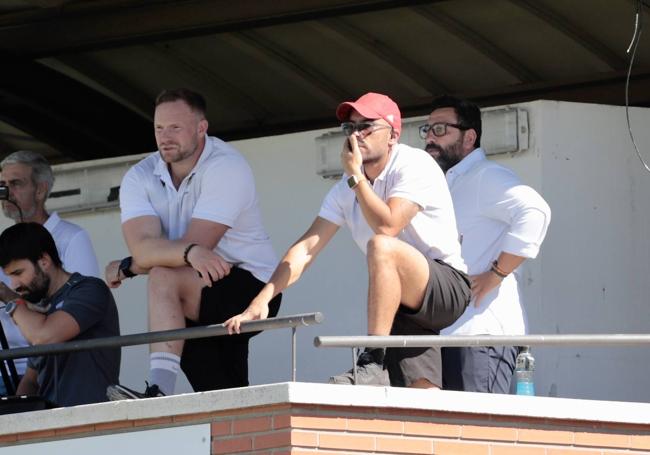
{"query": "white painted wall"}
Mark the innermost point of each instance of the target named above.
(591, 275)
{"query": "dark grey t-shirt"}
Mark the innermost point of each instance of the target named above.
(82, 377)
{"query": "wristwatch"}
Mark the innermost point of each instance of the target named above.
(125, 267)
(11, 306)
(353, 181)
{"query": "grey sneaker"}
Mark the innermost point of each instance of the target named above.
(369, 372)
(116, 392)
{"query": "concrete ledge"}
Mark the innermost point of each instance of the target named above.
(328, 395)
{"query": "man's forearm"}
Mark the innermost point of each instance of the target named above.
(376, 212)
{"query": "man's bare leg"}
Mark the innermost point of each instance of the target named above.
(398, 274)
(174, 293)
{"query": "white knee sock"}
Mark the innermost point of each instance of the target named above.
(163, 370)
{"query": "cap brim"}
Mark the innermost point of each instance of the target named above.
(343, 111)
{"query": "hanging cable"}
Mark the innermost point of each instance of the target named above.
(636, 37)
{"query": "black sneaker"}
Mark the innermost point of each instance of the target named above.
(369, 372)
(116, 392)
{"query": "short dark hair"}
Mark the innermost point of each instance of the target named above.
(194, 100)
(468, 113)
(27, 241)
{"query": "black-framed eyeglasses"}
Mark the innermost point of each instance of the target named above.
(439, 129)
(365, 128)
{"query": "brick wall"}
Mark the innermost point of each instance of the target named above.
(280, 426)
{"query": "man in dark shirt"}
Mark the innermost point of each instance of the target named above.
(56, 306)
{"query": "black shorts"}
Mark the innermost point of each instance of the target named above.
(447, 295)
(222, 362)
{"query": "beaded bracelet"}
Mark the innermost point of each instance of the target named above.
(187, 251)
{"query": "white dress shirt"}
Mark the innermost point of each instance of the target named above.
(495, 213)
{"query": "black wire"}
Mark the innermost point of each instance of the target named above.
(636, 37)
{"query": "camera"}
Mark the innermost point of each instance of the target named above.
(4, 193)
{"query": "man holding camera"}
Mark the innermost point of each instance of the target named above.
(25, 183)
(395, 201)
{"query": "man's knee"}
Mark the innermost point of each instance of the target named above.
(380, 246)
(163, 278)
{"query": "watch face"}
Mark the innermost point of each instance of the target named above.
(10, 307)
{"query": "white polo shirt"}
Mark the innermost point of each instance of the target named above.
(413, 175)
(495, 213)
(77, 255)
(220, 188)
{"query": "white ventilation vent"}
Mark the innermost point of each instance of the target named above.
(89, 185)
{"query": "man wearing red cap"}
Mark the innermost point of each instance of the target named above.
(395, 200)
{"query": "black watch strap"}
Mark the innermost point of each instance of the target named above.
(125, 267)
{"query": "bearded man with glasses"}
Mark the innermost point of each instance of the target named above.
(502, 223)
(395, 201)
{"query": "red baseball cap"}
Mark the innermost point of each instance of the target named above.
(373, 106)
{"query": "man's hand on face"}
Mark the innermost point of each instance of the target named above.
(211, 266)
(351, 158)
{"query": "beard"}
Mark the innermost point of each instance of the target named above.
(446, 157)
(37, 289)
(11, 211)
(173, 152)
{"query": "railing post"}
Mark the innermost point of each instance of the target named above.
(293, 354)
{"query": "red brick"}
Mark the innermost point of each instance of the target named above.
(153, 421)
(345, 441)
(602, 440)
(36, 434)
(281, 421)
(304, 438)
(545, 436)
(404, 445)
(232, 445)
(432, 429)
(277, 439)
(488, 433)
(220, 428)
(318, 423)
(251, 425)
(376, 426)
(8, 438)
(199, 417)
(73, 430)
(574, 451)
(640, 442)
(311, 452)
(106, 426)
(516, 450)
(455, 448)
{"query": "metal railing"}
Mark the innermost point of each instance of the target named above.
(425, 341)
(293, 322)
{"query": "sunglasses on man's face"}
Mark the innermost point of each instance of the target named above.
(362, 127)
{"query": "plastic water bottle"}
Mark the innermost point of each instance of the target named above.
(524, 368)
